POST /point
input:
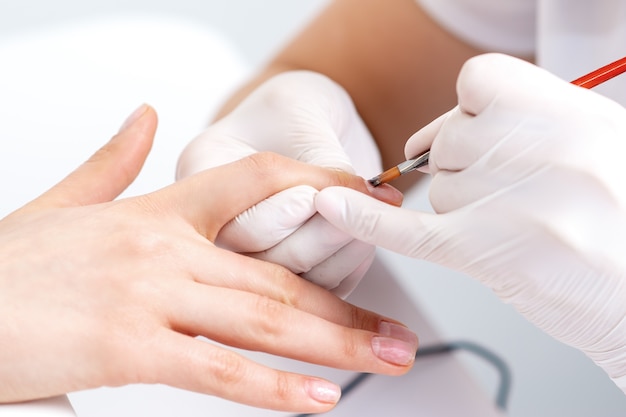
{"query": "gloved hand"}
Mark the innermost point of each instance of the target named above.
(528, 183)
(305, 116)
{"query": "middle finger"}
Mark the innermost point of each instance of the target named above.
(250, 321)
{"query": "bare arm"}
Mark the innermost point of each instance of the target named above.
(398, 65)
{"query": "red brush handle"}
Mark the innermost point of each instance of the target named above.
(602, 74)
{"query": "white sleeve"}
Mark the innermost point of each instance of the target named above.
(506, 26)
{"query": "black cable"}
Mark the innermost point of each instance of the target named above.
(504, 388)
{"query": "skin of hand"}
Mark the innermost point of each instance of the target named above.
(305, 116)
(528, 189)
(396, 63)
(103, 292)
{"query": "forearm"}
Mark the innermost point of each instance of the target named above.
(398, 66)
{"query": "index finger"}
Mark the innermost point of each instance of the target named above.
(211, 198)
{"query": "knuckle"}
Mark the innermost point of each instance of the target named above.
(344, 178)
(350, 344)
(264, 159)
(101, 154)
(289, 285)
(363, 319)
(227, 368)
(265, 164)
(108, 152)
(147, 243)
(270, 314)
(142, 238)
(282, 389)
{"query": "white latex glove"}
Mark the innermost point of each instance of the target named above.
(529, 187)
(308, 117)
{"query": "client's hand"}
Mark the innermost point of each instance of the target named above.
(95, 292)
(307, 117)
(528, 183)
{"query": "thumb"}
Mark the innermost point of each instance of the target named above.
(407, 232)
(423, 139)
(110, 170)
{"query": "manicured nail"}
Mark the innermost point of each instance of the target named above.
(323, 391)
(396, 345)
(397, 331)
(134, 117)
(386, 193)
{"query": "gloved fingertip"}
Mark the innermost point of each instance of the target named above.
(477, 83)
(332, 204)
(423, 139)
(349, 283)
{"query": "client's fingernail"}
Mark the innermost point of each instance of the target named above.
(397, 331)
(396, 345)
(134, 117)
(323, 391)
(386, 193)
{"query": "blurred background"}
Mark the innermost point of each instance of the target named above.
(256, 27)
(548, 378)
